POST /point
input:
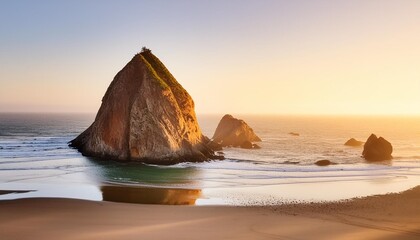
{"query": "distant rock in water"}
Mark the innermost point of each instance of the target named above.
(291, 162)
(323, 163)
(147, 116)
(234, 132)
(294, 134)
(377, 149)
(353, 143)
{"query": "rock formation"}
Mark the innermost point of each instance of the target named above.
(377, 149)
(147, 116)
(246, 144)
(353, 143)
(323, 163)
(215, 146)
(234, 132)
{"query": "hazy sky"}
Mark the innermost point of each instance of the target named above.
(261, 56)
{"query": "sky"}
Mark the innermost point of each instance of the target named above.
(238, 56)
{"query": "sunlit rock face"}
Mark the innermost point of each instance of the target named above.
(146, 115)
(234, 132)
(377, 149)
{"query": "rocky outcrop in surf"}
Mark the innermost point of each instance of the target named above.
(147, 116)
(235, 132)
(323, 163)
(377, 149)
(353, 143)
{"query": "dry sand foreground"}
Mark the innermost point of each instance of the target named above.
(393, 216)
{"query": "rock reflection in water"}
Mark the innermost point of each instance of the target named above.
(138, 173)
(149, 195)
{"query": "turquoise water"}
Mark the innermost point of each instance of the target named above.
(34, 156)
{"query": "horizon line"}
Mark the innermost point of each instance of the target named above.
(244, 114)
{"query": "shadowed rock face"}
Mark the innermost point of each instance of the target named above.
(234, 132)
(377, 149)
(146, 115)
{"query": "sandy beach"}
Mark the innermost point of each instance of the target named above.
(392, 216)
(212, 120)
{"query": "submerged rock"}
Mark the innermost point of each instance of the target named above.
(234, 132)
(147, 116)
(323, 163)
(377, 149)
(353, 143)
(291, 162)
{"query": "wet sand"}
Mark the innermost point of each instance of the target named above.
(392, 216)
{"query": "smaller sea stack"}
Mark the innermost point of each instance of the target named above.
(377, 149)
(234, 132)
(353, 143)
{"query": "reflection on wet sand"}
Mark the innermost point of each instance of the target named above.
(148, 195)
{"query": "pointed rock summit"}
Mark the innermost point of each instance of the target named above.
(147, 116)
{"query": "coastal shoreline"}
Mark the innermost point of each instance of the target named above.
(390, 216)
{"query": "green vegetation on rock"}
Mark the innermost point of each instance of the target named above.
(162, 71)
(159, 80)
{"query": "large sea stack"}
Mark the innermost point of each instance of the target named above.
(377, 149)
(234, 132)
(147, 116)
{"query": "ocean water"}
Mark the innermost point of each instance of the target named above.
(34, 156)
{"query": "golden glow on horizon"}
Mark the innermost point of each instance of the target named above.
(358, 59)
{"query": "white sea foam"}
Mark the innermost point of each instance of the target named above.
(33, 150)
